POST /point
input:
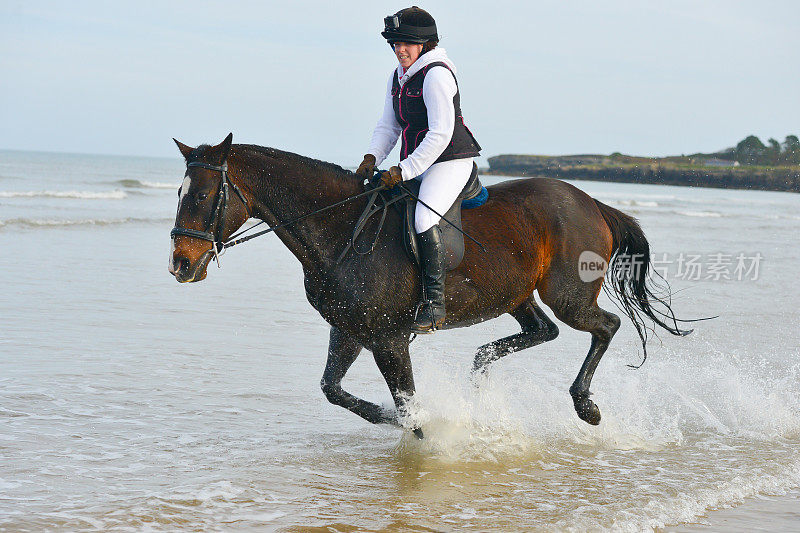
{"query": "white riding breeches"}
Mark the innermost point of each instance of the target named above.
(440, 186)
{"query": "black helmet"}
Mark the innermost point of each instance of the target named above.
(410, 25)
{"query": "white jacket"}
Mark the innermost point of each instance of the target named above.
(438, 91)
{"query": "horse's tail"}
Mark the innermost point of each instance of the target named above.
(629, 279)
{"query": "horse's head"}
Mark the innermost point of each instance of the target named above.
(210, 209)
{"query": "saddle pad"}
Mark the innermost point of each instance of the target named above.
(477, 201)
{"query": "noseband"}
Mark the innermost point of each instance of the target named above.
(216, 226)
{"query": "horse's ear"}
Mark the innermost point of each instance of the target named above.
(222, 150)
(185, 150)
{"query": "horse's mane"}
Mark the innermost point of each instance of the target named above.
(315, 164)
(255, 155)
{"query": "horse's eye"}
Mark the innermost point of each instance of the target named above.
(202, 197)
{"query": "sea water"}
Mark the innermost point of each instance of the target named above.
(129, 401)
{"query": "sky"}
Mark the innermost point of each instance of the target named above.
(537, 77)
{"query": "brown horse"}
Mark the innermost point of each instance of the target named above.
(535, 232)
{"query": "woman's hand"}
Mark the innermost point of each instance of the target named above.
(391, 177)
(367, 167)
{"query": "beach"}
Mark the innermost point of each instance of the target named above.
(129, 401)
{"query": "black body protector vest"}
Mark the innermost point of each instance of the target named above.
(412, 115)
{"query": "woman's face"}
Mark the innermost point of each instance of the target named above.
(407, 53)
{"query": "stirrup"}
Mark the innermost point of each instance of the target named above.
(423, 328)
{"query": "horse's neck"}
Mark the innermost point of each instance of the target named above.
(283, 195)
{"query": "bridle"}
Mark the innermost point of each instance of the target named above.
(216, 226)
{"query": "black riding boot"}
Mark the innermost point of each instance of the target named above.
(432, 259)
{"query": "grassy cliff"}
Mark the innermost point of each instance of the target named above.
(701, 170)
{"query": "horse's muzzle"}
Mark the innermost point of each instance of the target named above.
(185, 272)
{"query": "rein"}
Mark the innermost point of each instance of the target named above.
(233, 241)
(216, 226)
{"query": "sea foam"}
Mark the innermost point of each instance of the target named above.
(82, 195)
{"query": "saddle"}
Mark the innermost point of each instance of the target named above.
(474, 194)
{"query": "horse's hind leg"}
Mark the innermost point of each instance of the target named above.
(602, 325)
(342, 352)
(536, 329)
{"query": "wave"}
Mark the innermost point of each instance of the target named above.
(60, 223)
(144, 184)
(600, 195)
(82, 195)
(717, 214)
(712, 214)
(635, 203)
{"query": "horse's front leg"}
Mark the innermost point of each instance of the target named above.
(394, 362)
(342, 351)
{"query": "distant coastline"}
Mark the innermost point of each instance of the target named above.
(682, 170)
(750, 164)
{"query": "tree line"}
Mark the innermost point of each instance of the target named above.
(751, 151)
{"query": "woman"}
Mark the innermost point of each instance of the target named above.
(423, 109)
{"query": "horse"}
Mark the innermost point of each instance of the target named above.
(537, 233)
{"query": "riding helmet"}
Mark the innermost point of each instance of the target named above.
(410, 25)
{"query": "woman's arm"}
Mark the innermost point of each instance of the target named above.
(387, 131)
(438, 91)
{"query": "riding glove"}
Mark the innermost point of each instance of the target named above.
(367, 167)
(391, 177)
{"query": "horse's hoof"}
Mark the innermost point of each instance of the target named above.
(418, 433)
(587, 410)
(484, 358)
(479, 369)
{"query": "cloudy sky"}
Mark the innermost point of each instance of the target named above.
(546, 77)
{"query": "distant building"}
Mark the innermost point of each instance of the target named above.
(714, 162)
